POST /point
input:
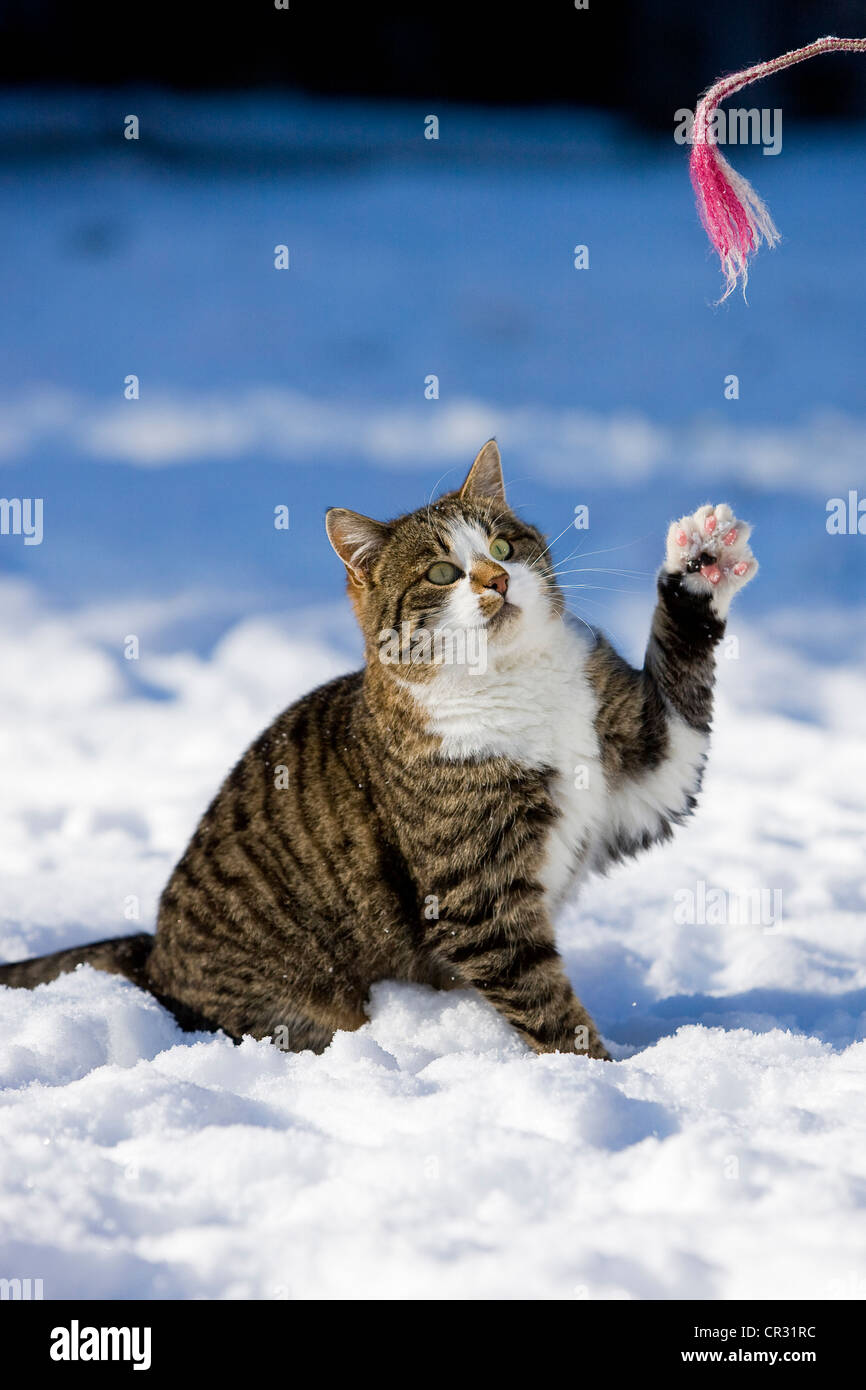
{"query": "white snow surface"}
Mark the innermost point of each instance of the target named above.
(430, 1155)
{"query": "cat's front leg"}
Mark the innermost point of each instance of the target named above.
(654, 724)
(516, 966)
(707, 561)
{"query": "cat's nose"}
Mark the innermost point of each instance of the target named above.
(499, 582)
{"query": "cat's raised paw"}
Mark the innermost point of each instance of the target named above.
(710, 549)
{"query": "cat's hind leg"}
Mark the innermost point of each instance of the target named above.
(294, 1028)
(299, 1032)
(244, 1003)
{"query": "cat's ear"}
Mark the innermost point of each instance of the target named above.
(484, 478)
(357, 540)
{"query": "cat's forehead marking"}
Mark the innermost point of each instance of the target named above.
(469, 540)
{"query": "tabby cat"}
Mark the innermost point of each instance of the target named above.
(424, 818)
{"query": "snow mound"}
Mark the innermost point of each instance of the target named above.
(429, 1154)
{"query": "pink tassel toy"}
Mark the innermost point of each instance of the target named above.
(735, 218)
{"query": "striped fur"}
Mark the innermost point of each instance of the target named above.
(423, 819)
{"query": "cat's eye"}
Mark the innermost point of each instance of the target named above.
(443, 573)
(500, 549)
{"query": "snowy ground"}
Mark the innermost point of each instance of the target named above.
(429, 1154)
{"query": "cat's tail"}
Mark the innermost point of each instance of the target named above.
(122, 955)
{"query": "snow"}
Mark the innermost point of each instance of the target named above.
(430, 1155)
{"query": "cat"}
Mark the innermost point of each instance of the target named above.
(424, 818)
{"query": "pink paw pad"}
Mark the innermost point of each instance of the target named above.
(710, 524)
(712, 573)
(681, 537)
(741, 567)
(730, 537)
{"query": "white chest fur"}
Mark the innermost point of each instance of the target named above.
(535, 706)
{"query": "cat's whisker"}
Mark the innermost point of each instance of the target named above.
(606, 550)
(595, 632)
(592, 602)
(595, 603)
(496, 519)
(547, 547)
(606, 587)
(561, 534)
(597, 569)
(435, 486)
(527, 477)
(578, 554)
(533, 564)
(572, 614)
